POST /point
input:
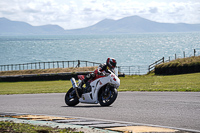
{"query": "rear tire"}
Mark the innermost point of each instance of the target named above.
(109, 98)
(71, 98)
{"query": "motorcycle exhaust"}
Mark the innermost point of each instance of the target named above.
(75, 86)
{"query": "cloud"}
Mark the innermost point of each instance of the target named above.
(81, 13)
(153, 10)
(176, 12)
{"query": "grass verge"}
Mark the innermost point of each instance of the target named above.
(183, 82)
(10, 127)
(189, 61)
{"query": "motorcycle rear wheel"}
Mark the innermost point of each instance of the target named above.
(71, 98)
(109, 98)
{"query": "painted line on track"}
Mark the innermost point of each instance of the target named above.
(89, 124)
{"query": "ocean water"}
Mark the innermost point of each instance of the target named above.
(128, 50)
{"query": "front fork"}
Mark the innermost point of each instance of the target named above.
(75, 86)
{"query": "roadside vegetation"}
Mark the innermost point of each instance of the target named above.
(189, 61)
(179, 66)
(183, 82)
(43, 71)
(10, 127)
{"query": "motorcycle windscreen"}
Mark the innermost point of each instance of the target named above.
(116, 71)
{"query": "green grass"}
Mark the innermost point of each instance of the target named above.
(34, 87)
(10, 127)
(184, 82)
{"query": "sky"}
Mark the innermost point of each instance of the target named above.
(73, 14)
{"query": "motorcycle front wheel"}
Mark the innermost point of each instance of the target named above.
(108, 98)
(71, 98)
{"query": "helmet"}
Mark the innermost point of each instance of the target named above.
(111, 63)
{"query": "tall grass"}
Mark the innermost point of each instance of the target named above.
(189, 61)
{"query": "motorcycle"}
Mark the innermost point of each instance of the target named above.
(102, 90)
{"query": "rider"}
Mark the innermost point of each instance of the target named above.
(101, 70)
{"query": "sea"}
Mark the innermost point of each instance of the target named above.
(128, 49)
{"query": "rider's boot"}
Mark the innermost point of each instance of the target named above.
(87, 77)
(80, 86)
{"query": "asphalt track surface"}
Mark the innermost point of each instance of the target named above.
(173, 109)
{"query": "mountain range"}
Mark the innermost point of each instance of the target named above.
(127, 25)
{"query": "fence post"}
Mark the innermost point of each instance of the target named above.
(163, 59)
(78, 63)
(194, 52)
(57, 64)
(138, 70)
(184, 54)
(63, 64)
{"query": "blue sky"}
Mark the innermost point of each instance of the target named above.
(72, 14)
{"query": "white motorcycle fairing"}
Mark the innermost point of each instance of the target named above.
(96, 85)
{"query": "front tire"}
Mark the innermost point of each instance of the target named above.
(71, 98)
(107, 100)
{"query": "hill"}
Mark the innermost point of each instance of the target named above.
(8, 27)
(127, 25)
(134, 24)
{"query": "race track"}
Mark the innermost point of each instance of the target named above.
(173, 109)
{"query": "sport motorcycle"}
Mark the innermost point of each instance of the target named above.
(102, 89)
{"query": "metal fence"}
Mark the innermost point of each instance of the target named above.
(128, 70)
(196, 52)
(133, 70)
(47, 65)
(152, 66)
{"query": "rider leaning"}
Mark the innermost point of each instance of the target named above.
(101, 70)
